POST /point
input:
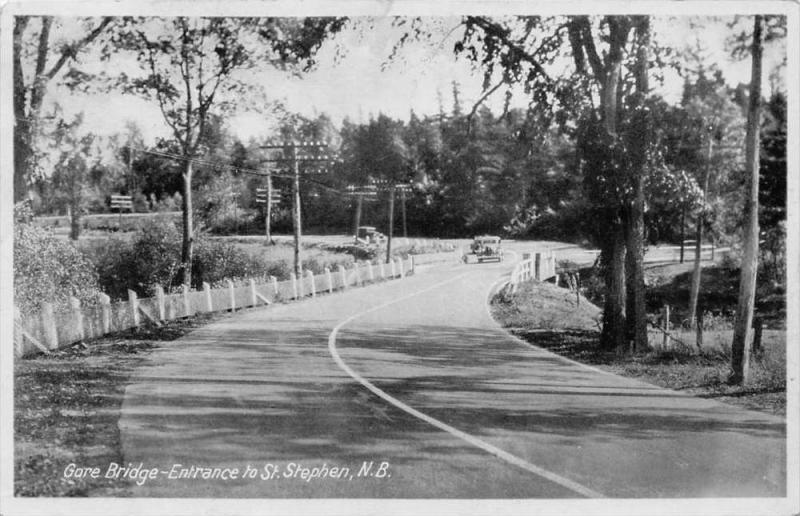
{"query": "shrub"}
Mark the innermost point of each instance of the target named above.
(215, 261)
(151, 258)
(47, 269)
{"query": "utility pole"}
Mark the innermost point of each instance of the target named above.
(268, 216)
(131, 178)
(403, 199)
(291, 156)
(357, 221)
(391, 224)
(391, 187)
(296, 220)
(269, 197)
(362, 194)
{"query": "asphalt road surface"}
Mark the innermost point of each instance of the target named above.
(409, 389)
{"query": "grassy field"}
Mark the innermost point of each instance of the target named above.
(549, 317)
(67, 407)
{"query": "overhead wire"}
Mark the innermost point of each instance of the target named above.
(245, 170)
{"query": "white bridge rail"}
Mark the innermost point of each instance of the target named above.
(538, 265)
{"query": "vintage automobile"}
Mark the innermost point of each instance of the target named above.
(484, 248)
(368, 236)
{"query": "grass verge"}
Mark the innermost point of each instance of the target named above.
(67, 408)
(549, 317)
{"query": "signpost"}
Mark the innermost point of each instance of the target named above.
(121, 202)
(295, 153)
(269, 197)
(391, 187)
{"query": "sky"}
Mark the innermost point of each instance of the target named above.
(364, 82)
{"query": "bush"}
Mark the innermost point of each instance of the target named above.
(216, 261)
(47, 269)
(150, 258)
(153, 257)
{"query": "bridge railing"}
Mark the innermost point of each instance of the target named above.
(538, 266)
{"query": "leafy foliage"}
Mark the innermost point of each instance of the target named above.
(47, 269)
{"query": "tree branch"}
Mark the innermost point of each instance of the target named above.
(69, 52)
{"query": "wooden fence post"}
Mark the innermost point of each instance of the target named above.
(253, 297)
(49, 325)
(162, 309)
(411, 262)
(187, 307)
(578, 288)
(381, 269)
(232, 295)
(329, 278)
(209, 301)
(665, 341)
(370, 274)
(105, 311)
(400, 266)
(537, 264)
(357, 275)
(274, 282)
(77, 316)
(133, 300)
(343, 275)
(294, 285)
(311, 282)
(394, 271)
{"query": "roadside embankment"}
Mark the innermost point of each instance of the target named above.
(549, 317)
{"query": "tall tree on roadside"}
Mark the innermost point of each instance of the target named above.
(606, 97)
(35, 66)
(186, 64)
(74, 161)
(740, 347)
(190, 70)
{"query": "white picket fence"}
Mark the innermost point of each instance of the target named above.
(535, 265)
(50, 329)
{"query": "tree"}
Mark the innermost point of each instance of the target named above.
(36, 61)
(740, 347)
(186, 63)
(189, 69)
(710, 146)
(610, 80)
(772, 189)
(72, 169)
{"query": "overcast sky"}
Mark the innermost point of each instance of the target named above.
(357, 87)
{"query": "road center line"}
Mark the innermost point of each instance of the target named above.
(502, 454)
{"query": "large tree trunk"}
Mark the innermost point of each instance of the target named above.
(635, 312)
(187, 247)
(26, 117)
(740, 347)
(613, 333)
(636, 317)
(74, 221)
(22, 124)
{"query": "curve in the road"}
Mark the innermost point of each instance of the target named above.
(471, 439)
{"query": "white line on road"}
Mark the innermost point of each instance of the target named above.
(502, 454)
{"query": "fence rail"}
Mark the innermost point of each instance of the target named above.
(539, 266)
(50, 329)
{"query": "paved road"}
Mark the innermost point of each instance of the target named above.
(416, 375)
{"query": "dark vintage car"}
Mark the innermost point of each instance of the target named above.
(368, 236)
(484, 248)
